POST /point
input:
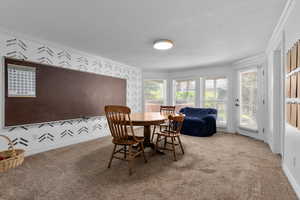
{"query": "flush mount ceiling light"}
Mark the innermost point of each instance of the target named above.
(163, 44)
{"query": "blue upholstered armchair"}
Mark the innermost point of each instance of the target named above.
(199, 121)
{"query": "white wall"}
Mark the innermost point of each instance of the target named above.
(38, 138)
(292, 137)
(285, 35)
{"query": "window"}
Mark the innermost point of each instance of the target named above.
(154, 94)
(215, 96)
(248, 99)
(185, 93)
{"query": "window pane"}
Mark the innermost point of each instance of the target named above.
(248, 97)
(154, 94)
(185, 93)
(209, 90)
(221, 89)
(222, 118)
(215, 96)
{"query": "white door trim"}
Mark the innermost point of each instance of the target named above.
(259, 133)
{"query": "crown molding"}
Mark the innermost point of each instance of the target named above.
(257, 59)
(279, 28)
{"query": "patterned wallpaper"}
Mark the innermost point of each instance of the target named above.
(38, 138)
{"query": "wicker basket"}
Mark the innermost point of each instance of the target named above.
(16, 156)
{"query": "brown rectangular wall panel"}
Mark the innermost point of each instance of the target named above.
(63, 94)
(294, 78)
(298, 84)
(288, 113)
(294, 58)
(294, 112)
(288, 62)
(298, 116)
(288, 87)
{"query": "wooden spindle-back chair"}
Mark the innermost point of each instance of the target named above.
(164, 110)
(120, 125)
(172, 132)
(168, 110)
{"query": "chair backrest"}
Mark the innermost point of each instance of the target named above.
(167, 110)
(118, 118)
(175, 123)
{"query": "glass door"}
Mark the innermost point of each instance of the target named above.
(248, 100)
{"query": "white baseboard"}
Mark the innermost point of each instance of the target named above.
(292, 180)
(61, 145)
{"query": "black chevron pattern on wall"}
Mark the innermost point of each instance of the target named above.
(45, 60)
(64, 55)
(16, 42)
(20, 141)
(45, 137)
(82, 120)
(16, 54)
(83, 63)
(46, 124)
(83, 130)
(46, 54)
(66, 122)
(83, 60)
(66, 133)
(97, 127)
(64, 58)
(47, 50)
(17, 48)
(18, 127)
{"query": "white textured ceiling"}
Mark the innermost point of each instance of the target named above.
(204, 31)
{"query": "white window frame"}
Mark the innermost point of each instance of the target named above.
(226, 101)
(165, 91)
(185, 79)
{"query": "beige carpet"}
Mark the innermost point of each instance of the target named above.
(222, 167)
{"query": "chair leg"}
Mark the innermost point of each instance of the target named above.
(165, 143)
(180, 145)
(130, 159)
(152, 137)
(125, 148)
(143, 152)
(112, 155)
(156, 144)
(173, 147)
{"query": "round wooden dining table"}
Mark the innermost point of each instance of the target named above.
(147, 119)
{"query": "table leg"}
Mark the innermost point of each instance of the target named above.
(147, 136)
(147, 139)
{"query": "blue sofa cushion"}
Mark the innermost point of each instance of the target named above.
(199, 121)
